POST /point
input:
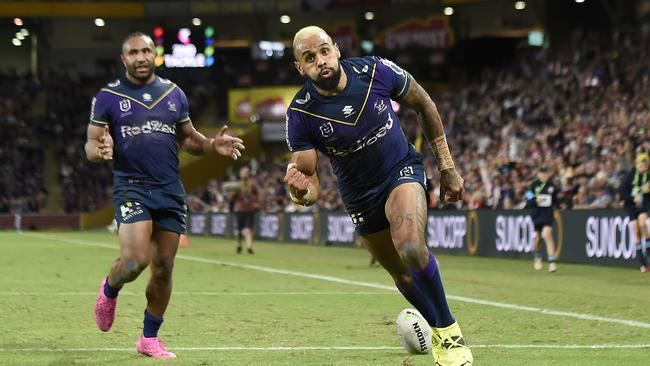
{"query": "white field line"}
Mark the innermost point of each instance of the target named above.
(568, 314)
(333, 348)
(207, 293)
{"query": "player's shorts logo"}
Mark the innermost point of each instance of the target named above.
(357, 220)
(326, 129)
(129, 210)
(125, 105)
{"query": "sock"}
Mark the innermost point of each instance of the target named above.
(537, 254)
(418, 298)
(640, 253)
(430, 281)
(151, 325)
(551, 258)
(110, 292)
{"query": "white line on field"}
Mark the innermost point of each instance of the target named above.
(207, 293)
(631, 323)
(333, 348)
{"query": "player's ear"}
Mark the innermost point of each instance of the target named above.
(123, 59)
(296, 64)
(338, 52)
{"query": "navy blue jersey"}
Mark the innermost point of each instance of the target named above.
(142, 120)
(357, 129)
(547, 195)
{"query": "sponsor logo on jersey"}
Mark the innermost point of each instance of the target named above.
(366, 141)
(380, 106)
(171, 106)
(348, 111)
(304, 100)
(363, 70)
(147, 127)
(326, 129)
(146, 97)
(114, 84)
(125, 105)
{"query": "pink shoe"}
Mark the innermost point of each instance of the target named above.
(153, 347)
(104, 309)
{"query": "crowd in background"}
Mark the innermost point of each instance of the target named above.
(583, 110)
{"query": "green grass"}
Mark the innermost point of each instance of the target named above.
(49, 281)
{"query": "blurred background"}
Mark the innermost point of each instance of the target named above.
(518, 84)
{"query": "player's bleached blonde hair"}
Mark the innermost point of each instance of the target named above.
(307, 32)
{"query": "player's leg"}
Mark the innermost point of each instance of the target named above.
(134, 257)
(537, 261)
(406, 210)
(547, 233)
(164, 244)
(248, 234)
(381, 248)
(636, 239)
(239, 231)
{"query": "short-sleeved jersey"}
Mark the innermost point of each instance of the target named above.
(547, 194)
(142, 120)
(631, 186)
(246, 199)
(356, 129)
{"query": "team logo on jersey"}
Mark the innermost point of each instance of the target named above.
(129, 210)
(363, 70)
(125, 105)
(348, 111)
(380, 106)
(406, 173)
(305, 100)
(114, 84)
(326, 129)
(146, 97)
(171, 106)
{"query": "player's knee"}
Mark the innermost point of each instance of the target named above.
(415, 254)
(163, 269)
(133, 267)
(403, 280)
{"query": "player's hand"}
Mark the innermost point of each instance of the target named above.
(645, 188)
(105, 147)
(296, 180)
(451, 186)
(227, 145)
(637, 200)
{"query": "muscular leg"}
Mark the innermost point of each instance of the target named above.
(406, 210)
(248, 235)
(134, 253)
(164, 247)
(380, 246)
(637, 231)
(547, 233)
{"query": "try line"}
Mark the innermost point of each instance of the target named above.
(503, 305)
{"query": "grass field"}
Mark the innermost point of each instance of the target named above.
(308, 305)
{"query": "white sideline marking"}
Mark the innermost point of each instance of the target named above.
(335, 348)
(206, 293)
(631, 323)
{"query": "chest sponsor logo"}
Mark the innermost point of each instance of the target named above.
(348, 111)
(366, 141)
(125, 105)
(171, 106)
(146, 128)
(304, 100)
(146, 97)
(326, 129)
(380, 106)
(362, 71)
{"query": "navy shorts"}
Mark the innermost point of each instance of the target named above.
(135, 201)
(245, 220)
(634, 211)
(367, 207)
(542, 221)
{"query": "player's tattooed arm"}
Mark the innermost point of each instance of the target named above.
(196, 143)
(99, 144)
(302, 177)
(451, 183)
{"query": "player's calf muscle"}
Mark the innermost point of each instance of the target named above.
(414, 253)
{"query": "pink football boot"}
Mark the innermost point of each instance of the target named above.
(104, 309)
(153, 347)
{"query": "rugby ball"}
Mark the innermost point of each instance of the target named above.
(414, 332)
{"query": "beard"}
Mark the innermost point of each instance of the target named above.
(132, 70)
(330, 83)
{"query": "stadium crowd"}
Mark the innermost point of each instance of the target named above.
(582, 110)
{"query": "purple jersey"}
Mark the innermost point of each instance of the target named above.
(357, 129)
(142, 120)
